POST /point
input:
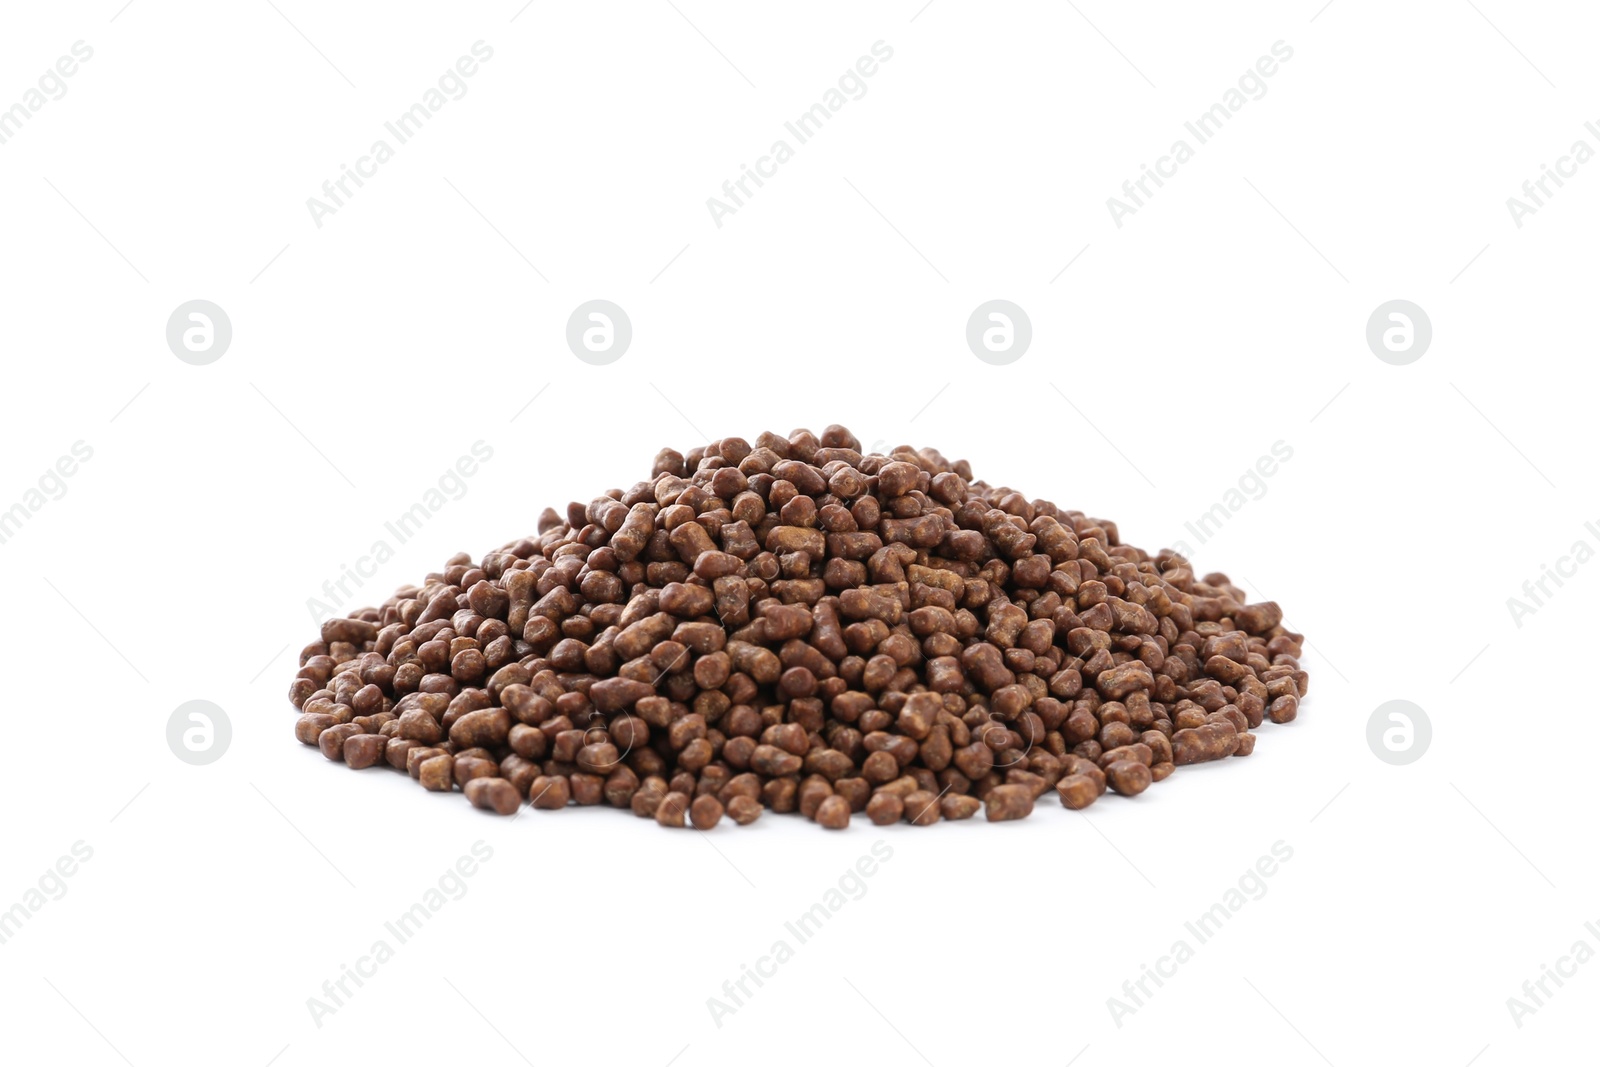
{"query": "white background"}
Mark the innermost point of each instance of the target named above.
(1227, 314)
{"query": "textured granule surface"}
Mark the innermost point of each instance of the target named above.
(792, 625)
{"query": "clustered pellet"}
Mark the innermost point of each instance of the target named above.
(796, 626)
